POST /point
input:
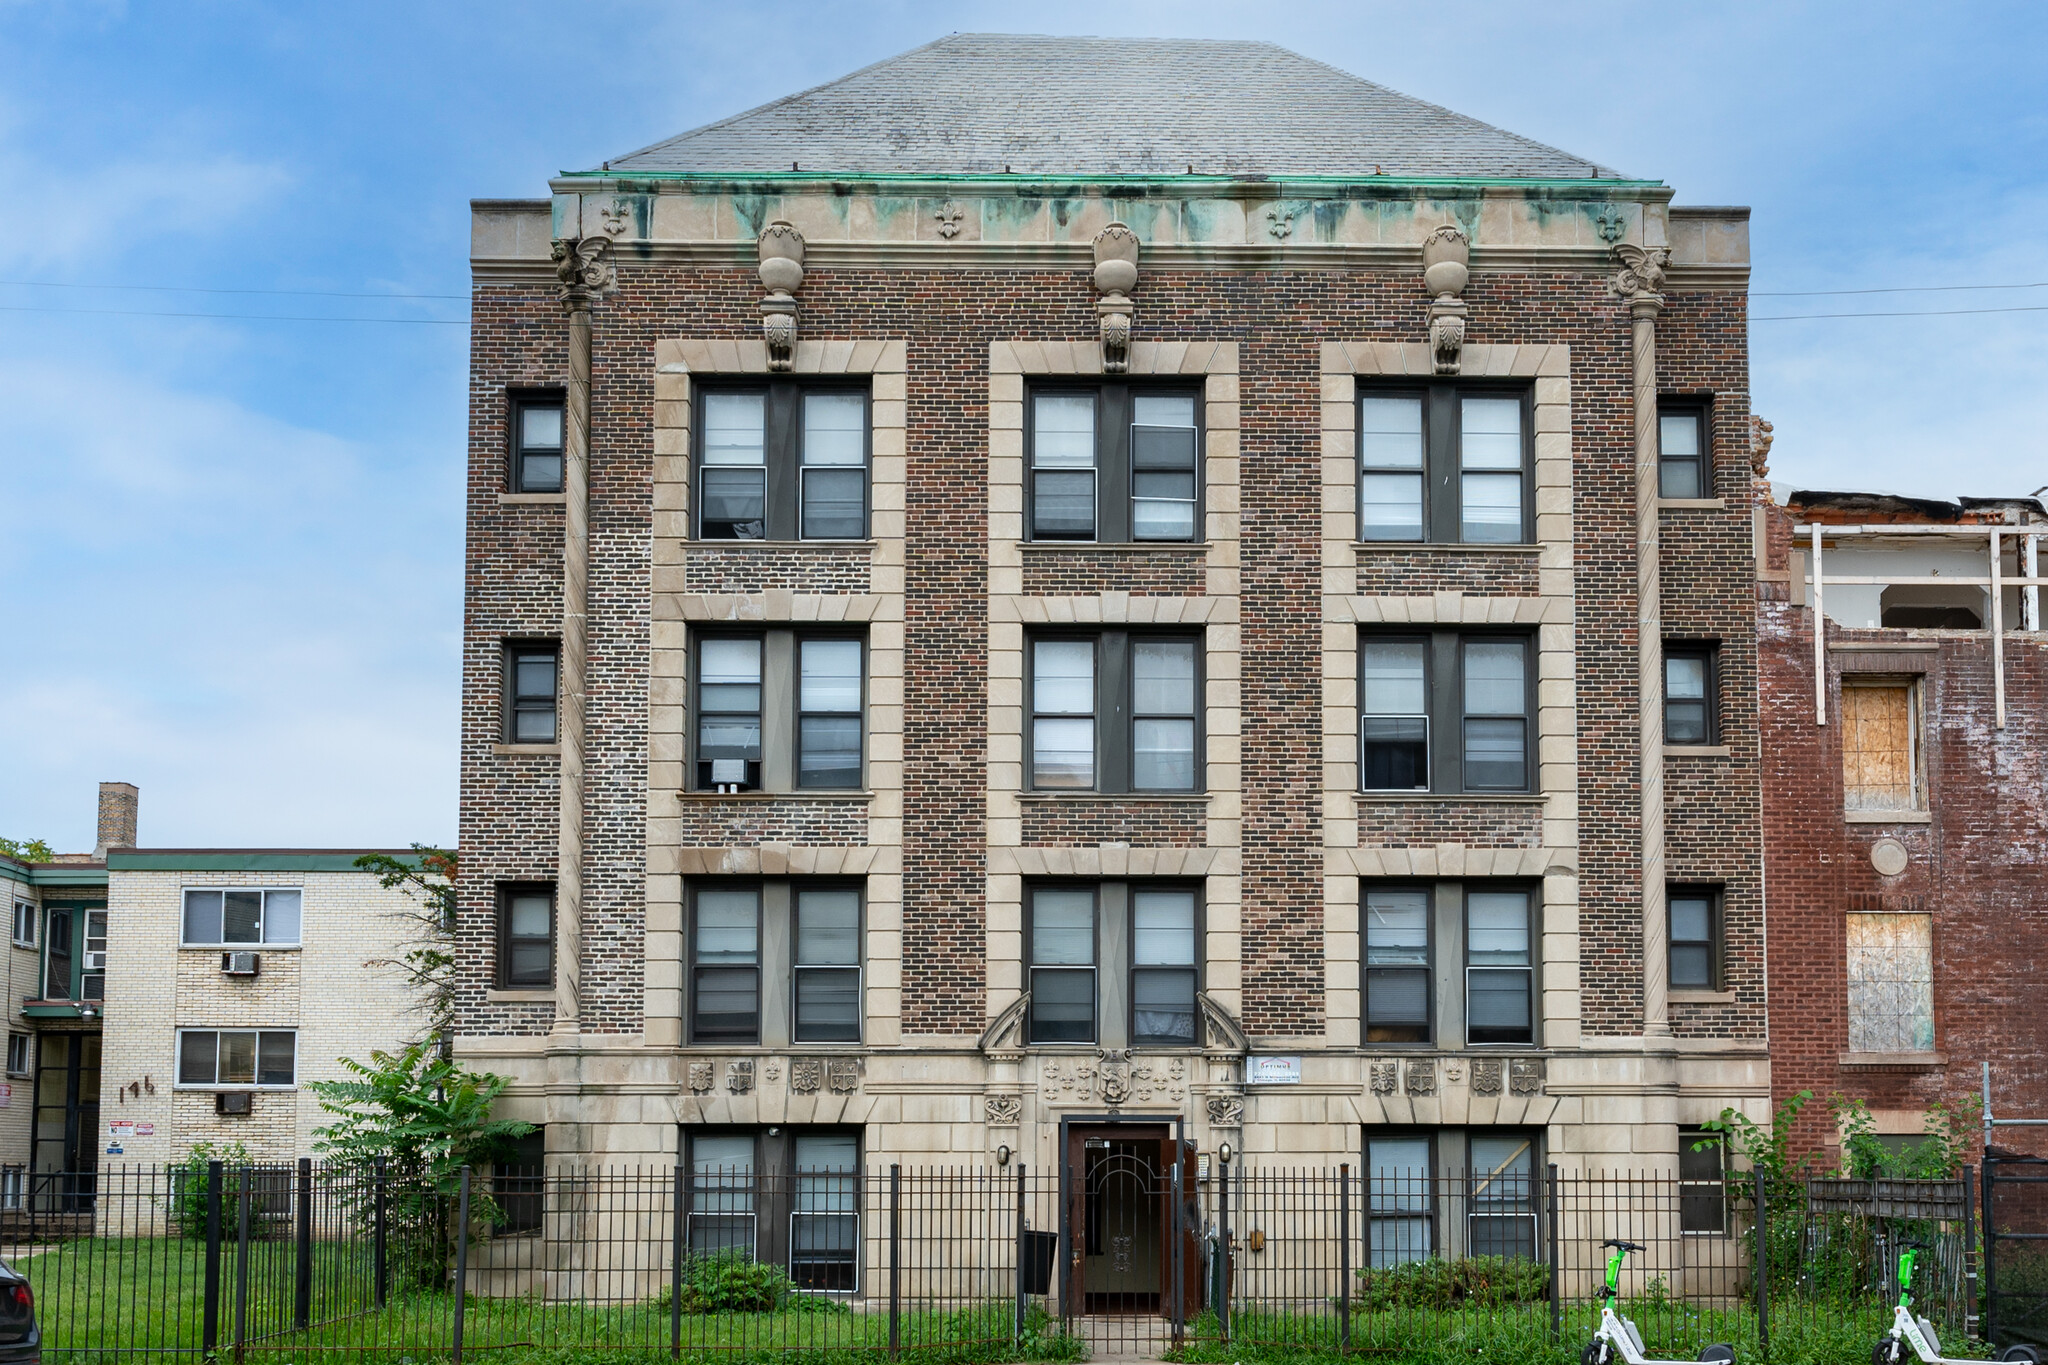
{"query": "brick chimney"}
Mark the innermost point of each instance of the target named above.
(118, 801)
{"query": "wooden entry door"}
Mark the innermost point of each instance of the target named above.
(1120, 1214)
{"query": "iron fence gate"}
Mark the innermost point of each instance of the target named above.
(2015, 1305)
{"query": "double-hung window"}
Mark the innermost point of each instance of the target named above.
(783, 462)
(788, 1196)
(811, 743)
(1682, 470)
(722, 1193)
(19, 1055)
(1881, 759)
(537, 444)
(526, 936)
(1116, 711)
(1115, 463)
(1477, 688)
(1400, 1199)
(725, 965)
(1690, 694)
(1695, 948)
(237, 917)
(774, 962)
(1702, 1182)
(826, 971)
(1063, 944)
(1397, 972)
(1163, 967)
(24, 924)
(530, 691)
(92, 977)
(1500, 966)
(1445, 463)
(1501, 1220)
(235, 1058)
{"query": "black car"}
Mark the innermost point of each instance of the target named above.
(21, 1341)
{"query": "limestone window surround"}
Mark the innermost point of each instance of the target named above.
(678, 362)
(1012, 613)
(1550, 614)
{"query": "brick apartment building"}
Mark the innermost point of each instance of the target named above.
(1002, 612)
(1904, 791)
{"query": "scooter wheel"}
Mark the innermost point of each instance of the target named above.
(1888, 1351)
(2021, 1351)
(1597, 1353)
(1720, 1350)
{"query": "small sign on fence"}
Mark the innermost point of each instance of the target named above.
(1272, 1071)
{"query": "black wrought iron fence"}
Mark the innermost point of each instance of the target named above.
(1120, 1254)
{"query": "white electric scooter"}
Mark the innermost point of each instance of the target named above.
(1909, 1329)
(1617, 1338)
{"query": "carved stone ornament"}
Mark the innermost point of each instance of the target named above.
(1454, 1071)
(1003, 1039)
(617, 218)
(842, 1075)
(1003, 1110)
(771, 1070)
(1280, 222)
(1071, 1081)
(1421, 1076)
(700, 1077)
(739, 1076)
(1525, 1075)
(1759, 447)
(949, 216)
(1384, 1075)
(1446, 269)
(583, 265)
(1116, 274)
(1610, 225)
(806, 1074)
(1486, 1075)
(1226, 1111)
(782, 274)
(1116, 1075)
(1641, 277)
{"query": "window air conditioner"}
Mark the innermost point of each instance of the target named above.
(233, 1102)
(240, 964)
(96, 962)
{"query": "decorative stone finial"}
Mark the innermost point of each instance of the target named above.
(1760, 439)
(1641, 277)
(782, 274)
(584, 267)
(1116, 274)
(1446, 269)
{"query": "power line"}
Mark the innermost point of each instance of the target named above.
(1899, 289)
(247, 317)
(190, 289)
(1929, 313)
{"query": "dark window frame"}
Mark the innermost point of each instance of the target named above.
(1708, 651)
(1444, 679)
(1716, 942)
(797, 887)
(782, 458)
(513, 703)
(1534, 892)
(1131, 967)
(1442, 464)
(1697, 1143)
(1700, 410)
(24, 1043)
(181, 1083)
(1115, 727)
(516, 449)
(1429, 968)
(1094, 968)
(697, 887)
(504, 938)
(773, 1190)
(1114, 496)
(698, 769)
(519, 1185)
(1434, 1189)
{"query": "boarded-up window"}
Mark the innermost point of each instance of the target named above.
(1891, 983)
(1880, 747)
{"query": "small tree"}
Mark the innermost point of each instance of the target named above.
(1767, 1150)
(428, 966)
(424, 1118)
(28, 850)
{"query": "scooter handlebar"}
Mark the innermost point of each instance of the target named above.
(1625, 1246)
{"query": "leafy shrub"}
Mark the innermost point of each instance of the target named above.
(1479, 1281)
(732, 1281)
(189, 1190)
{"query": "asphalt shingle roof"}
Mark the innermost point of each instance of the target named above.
(1033, 105)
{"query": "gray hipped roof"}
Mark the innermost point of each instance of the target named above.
(1030, 105)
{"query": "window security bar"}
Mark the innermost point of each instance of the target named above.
(1995, 582)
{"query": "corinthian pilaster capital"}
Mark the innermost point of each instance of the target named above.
(1641, 277)
(584, 267)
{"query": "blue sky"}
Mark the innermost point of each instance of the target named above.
(230, 550)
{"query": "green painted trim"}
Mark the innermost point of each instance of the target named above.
(1167, 182)
(323, 861)
(15, 872)
(57, 874)
(56, 1012)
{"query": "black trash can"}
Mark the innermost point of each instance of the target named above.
(1040, 1249)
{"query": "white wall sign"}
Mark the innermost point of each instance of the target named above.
(1272, 1071)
